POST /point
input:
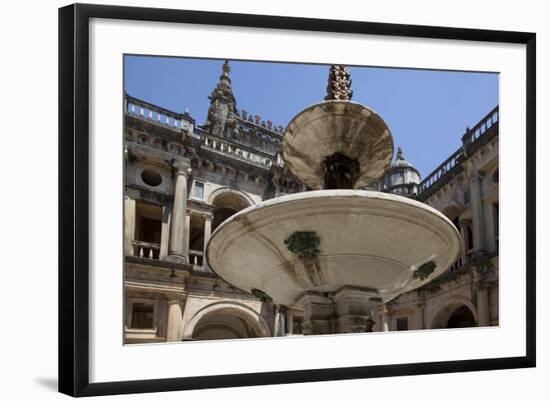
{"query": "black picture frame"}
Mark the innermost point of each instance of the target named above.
(74, 198)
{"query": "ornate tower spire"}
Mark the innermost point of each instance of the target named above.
(339, 83)
(223, 105)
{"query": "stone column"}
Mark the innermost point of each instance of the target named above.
(483, 314)
(165, 232)
(129, 224)
(207, 233)
(317, 313)
(477, 213)
(179, 240)
(174, 330)
(384, 318)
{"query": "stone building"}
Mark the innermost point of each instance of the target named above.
(182, 180)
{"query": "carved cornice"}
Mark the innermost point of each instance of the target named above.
(146, 194)
(147, 154)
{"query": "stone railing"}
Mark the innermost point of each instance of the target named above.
(148, 250)
(481, 128)
(444, 168)
(486, 126)
(195, 257)
(159, 115)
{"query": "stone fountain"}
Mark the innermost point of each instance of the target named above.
(338, 251)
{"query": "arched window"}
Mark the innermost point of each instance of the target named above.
(226, 204)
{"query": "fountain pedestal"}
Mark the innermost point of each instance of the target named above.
(348, 310)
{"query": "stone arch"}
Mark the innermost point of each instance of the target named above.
(229, 317)
(224, 190)
(227, 202)
(441, 316)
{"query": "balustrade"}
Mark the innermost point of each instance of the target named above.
(444, 168)
(148, 250)
(158, 115)
(196, 257)
(481, 127)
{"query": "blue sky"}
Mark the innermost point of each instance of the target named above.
(426, 110)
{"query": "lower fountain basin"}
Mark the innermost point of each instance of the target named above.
(325, 240)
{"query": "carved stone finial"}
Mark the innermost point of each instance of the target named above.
(400, 153)
(339, 83)
(226, 70)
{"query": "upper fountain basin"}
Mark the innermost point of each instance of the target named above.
(336, 126)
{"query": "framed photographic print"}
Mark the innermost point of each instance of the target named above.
(250, 199)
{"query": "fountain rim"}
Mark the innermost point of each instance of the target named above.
(318, 104)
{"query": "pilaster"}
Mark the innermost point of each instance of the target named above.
(207, 233)
(482, 296)
(478, 223)
(165, 232)
(129, 225)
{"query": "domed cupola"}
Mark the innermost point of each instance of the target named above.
(401, 178)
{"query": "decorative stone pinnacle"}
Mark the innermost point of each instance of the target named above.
(225, 74)
(223, 89)
(400, 153)
(339, 83)
(223, 106)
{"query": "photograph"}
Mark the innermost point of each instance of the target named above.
(284, 199)
(275, 201)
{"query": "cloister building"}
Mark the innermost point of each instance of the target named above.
(183, 179)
